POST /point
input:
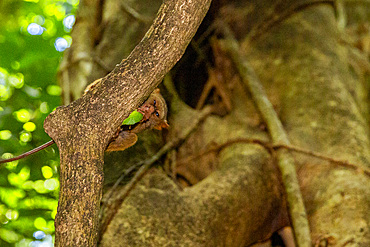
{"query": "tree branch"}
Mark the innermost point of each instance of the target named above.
(82, 129)
(279, 137)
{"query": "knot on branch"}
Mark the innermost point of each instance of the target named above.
(81, 123)
(55, 121)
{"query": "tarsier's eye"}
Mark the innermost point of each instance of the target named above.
(154, 102)
(157, 114)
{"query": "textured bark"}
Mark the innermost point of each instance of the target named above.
(306, 68)
(225, 209)
(123, 25)
(222, 210)
(285, 161)
(105, 33)
(319, 90)
(82, 129)
(320, 104)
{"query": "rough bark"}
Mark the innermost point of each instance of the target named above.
(224, 209)
(99, 42)
(123, 25)
(305, 67)
(320, 105)
(82, 129)
(285, 161)
(318, 89)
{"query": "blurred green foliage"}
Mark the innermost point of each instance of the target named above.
(32, 35)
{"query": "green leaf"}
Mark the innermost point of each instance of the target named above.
(134, 118)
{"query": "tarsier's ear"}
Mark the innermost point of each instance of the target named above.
(163, 125)
(156, 90)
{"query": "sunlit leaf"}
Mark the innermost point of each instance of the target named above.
(47, 172)
(29, 126)
(24, 174)
(50, 226)
(12, 214)
(16, 80)
(5, 134)
(38, 202)
(40, 223)
(25, 137)
(9, 236)
(28, 91)
(32, 92)
(9, 165)
(54, 90)
(15, 65)
(11, 196)
(39, 187)
(53, 214)
(5, 93)
(51, 184)
(28, 185)
(44, 107)
(22, 115)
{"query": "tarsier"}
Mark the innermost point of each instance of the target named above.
(154, 111)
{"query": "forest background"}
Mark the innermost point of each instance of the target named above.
(33, 36)
(312, 57)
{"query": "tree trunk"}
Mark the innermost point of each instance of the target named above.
(83, 128)
(317, 82)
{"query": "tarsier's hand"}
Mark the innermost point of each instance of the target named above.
(154, 111)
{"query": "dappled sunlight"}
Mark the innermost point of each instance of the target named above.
(35, 29)
(69, 21)
(33, 35)
(61, 44)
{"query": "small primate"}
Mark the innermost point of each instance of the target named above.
(154, 111)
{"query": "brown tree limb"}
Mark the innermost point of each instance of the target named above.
(82, 129)
(112, 44)
(285, 160)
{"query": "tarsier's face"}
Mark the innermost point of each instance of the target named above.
(154, 111)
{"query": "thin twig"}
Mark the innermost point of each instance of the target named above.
(271, 148)
(132, 12)
(119, 180)
(101, 63)
(279, 137)
(343, 163)
(35, 150)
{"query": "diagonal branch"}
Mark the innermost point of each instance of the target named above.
(82, 129)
